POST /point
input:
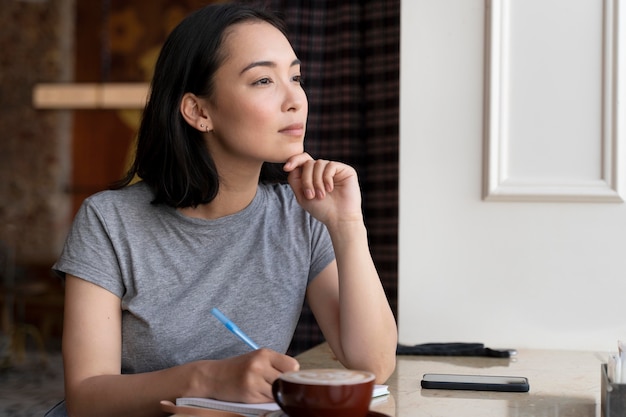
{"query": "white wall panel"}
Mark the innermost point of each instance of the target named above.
(551, 100)
(540, 262)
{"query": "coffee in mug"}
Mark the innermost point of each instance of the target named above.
(324, 392)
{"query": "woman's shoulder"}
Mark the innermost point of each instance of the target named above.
(280, 193)
(135, 197)
(138, 192)
(129, 207)
(280, 204)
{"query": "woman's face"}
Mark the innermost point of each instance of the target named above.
(258, 109)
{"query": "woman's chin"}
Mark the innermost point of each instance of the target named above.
(286, 155)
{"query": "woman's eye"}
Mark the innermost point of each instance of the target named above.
(263, 81)
(298, 79)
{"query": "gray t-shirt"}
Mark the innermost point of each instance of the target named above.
(170, 270)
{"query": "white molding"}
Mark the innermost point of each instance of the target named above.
(497, 184)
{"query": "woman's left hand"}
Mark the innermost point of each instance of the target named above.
(328, 190)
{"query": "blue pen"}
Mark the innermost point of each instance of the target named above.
(233, 328)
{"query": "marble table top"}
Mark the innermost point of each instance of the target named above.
(562, 384)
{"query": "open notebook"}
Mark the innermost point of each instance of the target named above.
(251, 409)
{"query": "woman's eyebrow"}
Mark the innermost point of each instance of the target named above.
(270, 64)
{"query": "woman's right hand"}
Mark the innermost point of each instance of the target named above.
(246, 378)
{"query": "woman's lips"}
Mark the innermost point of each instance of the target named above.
(296, 129)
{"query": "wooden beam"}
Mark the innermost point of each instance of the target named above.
(90, 95)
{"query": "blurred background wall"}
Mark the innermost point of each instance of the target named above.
(37, 43)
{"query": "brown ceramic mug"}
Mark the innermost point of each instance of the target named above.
(324, 393)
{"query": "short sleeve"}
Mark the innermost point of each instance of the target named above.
(88, 252)
(322, 252)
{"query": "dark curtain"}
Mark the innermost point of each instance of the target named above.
(350, 65)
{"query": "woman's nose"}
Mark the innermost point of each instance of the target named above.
(295, 97)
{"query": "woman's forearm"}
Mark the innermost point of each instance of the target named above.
(128, 395)
(245, 378)
(368, 331)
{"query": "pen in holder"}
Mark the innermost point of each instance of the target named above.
(613, 396)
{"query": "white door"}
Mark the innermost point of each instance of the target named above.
(512, 214)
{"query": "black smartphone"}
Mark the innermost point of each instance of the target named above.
(476, 382)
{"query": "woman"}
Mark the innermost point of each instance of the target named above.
(210, 226)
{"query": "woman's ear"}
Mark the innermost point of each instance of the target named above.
(192, 110)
